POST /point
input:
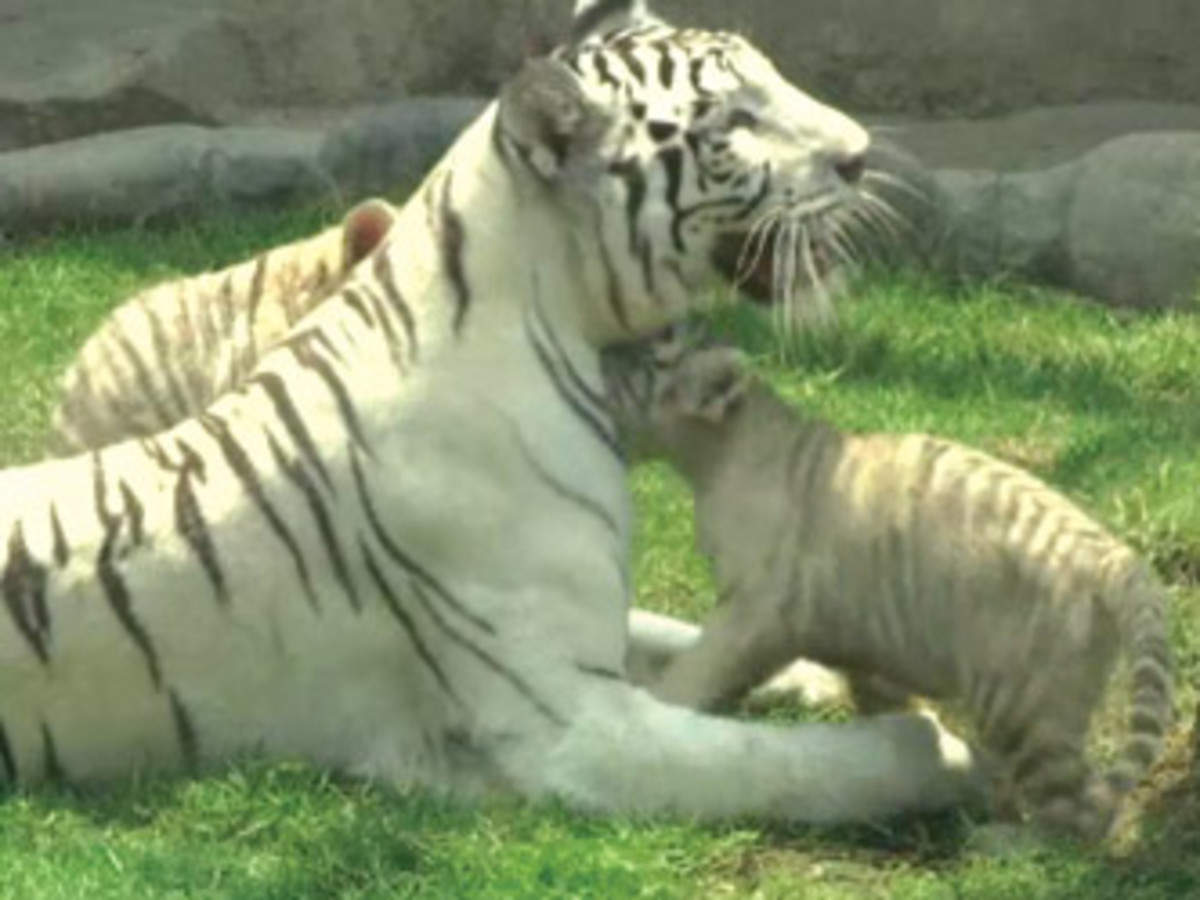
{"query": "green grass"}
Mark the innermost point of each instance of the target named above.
(1104, 407)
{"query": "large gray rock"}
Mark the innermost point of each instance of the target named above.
(69, 68)
(142, 173)
(1121, 223)
(75, 67)
(1001, 223)
(136, 175)
(1134, 226)
(390, 148)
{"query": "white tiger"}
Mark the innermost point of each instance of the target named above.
(400, 546)
(915, 564)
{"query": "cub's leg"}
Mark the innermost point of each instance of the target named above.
(872, 693)
(737, 651)
(655, 640)
(1038, 732)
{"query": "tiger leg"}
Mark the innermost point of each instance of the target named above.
(624, 751)
(736, 652)
(872, 693)
(1041, 743)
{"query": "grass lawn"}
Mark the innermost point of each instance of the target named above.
(1105, 407)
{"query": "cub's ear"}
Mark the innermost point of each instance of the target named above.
(600, 16)
(364, 229)
(545, 111)
(713, 383)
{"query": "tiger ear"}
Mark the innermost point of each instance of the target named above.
(715, 383)
(593, 17)
(545, 111)
(364, 229)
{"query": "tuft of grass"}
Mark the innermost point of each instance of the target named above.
(1102, 406)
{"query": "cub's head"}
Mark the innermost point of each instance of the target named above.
(687, 154)
(673, 398)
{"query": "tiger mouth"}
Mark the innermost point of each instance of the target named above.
(753, 271)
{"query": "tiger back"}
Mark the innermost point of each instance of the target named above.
(914, 564)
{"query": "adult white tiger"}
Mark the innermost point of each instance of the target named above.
(400, 547)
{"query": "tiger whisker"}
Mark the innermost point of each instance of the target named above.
(899, 182)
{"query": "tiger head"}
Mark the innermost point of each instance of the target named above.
(691, 156)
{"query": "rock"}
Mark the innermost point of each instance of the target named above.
(389, 149)
(1000, 224)
(1133, 233)
(136, 175)
(76, 67)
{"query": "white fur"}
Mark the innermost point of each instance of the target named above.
(450, 485)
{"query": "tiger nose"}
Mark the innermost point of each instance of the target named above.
(850, 167)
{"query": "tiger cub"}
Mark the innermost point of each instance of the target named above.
(916, 566)
(173, 348)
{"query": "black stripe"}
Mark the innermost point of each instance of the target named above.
(115, 590)
(672, 163)
(420, 580)
(6, 757)
(589, 418)
(310, 359)
(185, 732)
(406, 622)
(616, 296)
(190, 523)
(599, 672)
(24, 588)
(632, 63)
(756, 201)
(564, 491)
(164, 349)
(51, 764)
(600, 61)
(452, 240)
(630, 172)
(287, 413)
(389, 331)
(591, 18)
(62, 553)
(403, 559)
(515, 681)
(142, 376)
(595, 397)
(134, 512)
(257, 283)
(666, 64)
(387, 279)
(297, 474)
(646, 255)
(243, 469)
(225, 296)
(355, 301)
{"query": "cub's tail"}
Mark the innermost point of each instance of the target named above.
(1149, 653)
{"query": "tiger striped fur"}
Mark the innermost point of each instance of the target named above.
(916, 565)
(172, 349)
(399, 547)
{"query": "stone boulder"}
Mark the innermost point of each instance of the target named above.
(70, 68)
(1133, 230)
(136, 175)
(1121, 223)
(382, 149)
